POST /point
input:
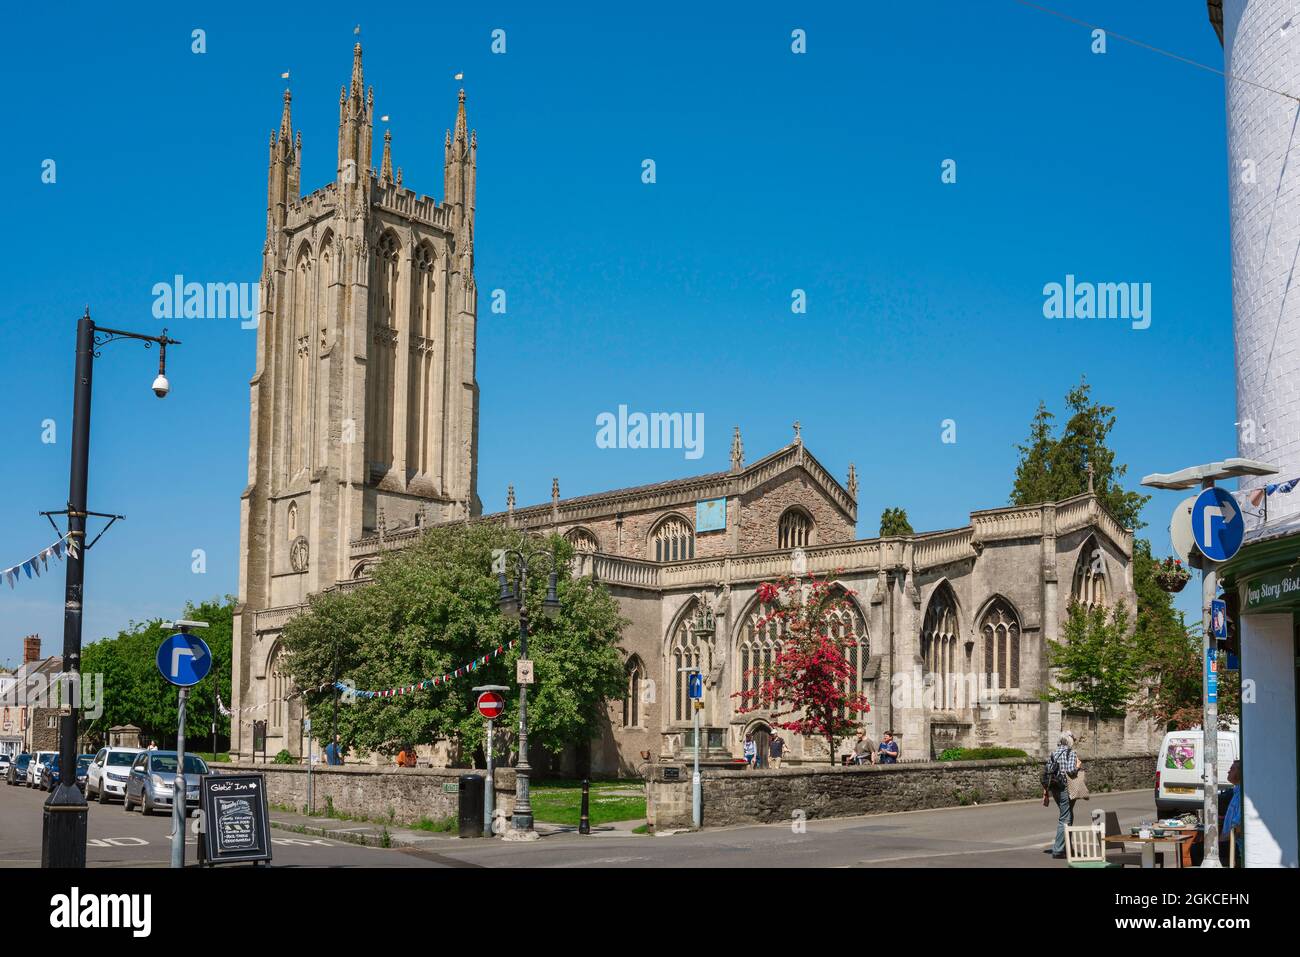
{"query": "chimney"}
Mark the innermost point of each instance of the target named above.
(31, 648)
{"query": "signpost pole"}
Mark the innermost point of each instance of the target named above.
(488, 795)
(696, 809)
(178, 789)
(1209, 701)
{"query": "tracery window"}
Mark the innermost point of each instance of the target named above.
(1089, 587)
(686, 650)
(674, 540)
(1001, 634)
(582, 540)
(795, 529)
(941, 661)
(632, 695)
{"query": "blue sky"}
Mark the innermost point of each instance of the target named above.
(775, 172)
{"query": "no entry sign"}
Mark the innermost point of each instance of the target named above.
(491, 704)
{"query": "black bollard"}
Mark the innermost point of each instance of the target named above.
(584, 825)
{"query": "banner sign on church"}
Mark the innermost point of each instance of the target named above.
(1278, 588)
(711, 515)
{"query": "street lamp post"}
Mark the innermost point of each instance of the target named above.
(514, 603)
(1205, 476)
(63, 836)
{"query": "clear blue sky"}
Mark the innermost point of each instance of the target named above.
(775, 172)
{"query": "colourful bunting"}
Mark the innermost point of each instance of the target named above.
(32, 567)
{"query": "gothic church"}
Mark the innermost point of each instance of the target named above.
(363, 429)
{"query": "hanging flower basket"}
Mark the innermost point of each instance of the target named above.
(1172, 576)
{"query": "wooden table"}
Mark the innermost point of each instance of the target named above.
(1184, 842)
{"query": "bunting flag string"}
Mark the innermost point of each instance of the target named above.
(1278, 488)
(39, 561)
(460, 672)
(427, 683)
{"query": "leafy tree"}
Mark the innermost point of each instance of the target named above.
(808, 679)
(893, 521)
(1055, 467)
(1097, 664)
(1171, 669)
(433, 608)
(135, 692)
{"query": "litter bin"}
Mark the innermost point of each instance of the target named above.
(471, 805)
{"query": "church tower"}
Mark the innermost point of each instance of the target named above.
(364, 402)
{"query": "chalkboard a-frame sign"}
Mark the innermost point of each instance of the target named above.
(236, 822)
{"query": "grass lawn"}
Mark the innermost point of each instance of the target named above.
(560, 802)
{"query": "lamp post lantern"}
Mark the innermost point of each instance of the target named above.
(63, 834)
(514, 604)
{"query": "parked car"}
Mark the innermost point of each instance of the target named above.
(108, 771)
(50, 778)
(1179, 767)
(153, 773)
(36, 770)
(17, 773)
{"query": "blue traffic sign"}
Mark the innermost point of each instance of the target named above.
(695, 686)
(1217, 525)
(184, 660)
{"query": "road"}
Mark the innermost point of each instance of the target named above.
(995, 835)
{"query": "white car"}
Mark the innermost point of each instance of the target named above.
(5, 761)
(106, 777)
(40, 764)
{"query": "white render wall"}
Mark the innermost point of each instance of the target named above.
(1262, 43)
(1268, 741)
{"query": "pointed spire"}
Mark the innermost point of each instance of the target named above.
(286, 123)
(386, 170)
(510, 498)
(358, 76)
(555, 491)
(461, 125)
(399, 176)
(737, 452)
(853, 482)
(798, 440)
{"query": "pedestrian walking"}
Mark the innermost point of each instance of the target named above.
(864, 749)
(334, 752)
(1062, 764)
(776, 749)
(888, 749)
(751, 753)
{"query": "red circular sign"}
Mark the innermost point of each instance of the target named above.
(491, 704)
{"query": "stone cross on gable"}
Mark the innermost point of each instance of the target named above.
(797, 430)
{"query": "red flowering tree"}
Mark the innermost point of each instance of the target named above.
(807, 683)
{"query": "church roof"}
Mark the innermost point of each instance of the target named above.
(691, 488)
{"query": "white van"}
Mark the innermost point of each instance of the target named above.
(1179, 770)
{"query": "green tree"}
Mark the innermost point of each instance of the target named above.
(1097, 664)
(135, 692)
(1055, 467)
(1171, 668)
(893, 521)
(433, 608)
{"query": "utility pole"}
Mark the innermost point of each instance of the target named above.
(1216, 542)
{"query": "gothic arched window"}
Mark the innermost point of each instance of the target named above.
(279, 692)
(422, 385)
(381, 354)
(300, 351)
(846, 626)
(582, 540)
(1089, 587)
(632, 696)
(291, 524)
(942, 664)
(674, 540)
(1000, 631)
(686, 650)
(756, 651)
(795, 529)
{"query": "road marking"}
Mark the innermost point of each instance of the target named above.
(116, 842)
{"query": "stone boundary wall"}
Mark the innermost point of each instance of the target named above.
(770, 797)
(402, 795)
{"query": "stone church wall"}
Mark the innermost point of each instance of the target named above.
(772, 797)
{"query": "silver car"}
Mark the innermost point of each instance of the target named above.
(151, 781)
(40, 766)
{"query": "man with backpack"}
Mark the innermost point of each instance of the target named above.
(1062, 765)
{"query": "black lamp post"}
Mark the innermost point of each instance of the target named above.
(513, 601)
(63, 837)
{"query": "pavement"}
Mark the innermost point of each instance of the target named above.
(1013, 834)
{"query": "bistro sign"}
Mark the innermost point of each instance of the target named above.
(1275, 589)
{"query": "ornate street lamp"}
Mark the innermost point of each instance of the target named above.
(63, 836)
(513, 601)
